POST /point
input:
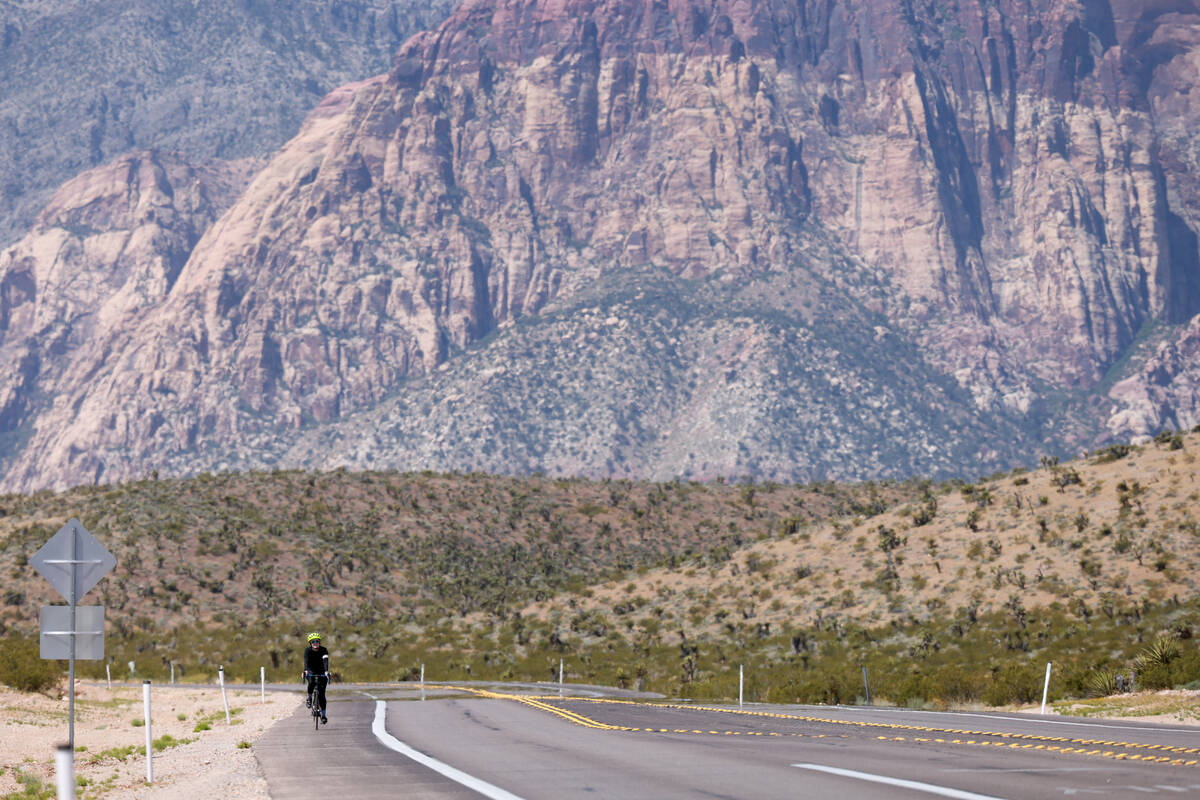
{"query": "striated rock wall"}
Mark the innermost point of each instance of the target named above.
(105, 254)
(1012, 182)
(86, 81)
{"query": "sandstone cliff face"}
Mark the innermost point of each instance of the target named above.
(1017, 175)
(88, 81)
(1006, 188)
(104, 254)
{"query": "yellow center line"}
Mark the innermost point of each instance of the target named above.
(542, 703)
(888, 725)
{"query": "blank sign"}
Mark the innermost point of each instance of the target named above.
(73, 552)
(88, 634)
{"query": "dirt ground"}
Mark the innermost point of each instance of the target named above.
(213, 759)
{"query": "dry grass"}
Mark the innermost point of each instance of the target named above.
(1170, 705)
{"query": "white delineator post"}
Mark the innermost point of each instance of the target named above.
(64, 772)
(149, 735)
(172, 673)
(262, 682)
(1046, 687)
(108, 676)
(741, 683)
(422, 681)
(224, 698)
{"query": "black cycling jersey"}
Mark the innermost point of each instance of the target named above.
(316, 662)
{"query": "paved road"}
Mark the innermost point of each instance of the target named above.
(522, 742)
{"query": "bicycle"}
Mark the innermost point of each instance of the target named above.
(315, 702)
(314, 699)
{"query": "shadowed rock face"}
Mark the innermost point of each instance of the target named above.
(87, 81)
(1007, 188)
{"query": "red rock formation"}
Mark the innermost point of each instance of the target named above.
(1017, 175)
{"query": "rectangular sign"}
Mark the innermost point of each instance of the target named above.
(89, 632)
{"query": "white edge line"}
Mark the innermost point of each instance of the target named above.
(486, 789)
(921, 787)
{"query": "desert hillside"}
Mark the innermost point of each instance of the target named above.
(1089, 562)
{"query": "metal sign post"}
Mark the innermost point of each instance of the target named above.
(73, 561)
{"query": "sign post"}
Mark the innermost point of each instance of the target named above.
(73, 561)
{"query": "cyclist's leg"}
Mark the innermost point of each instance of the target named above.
(308, 700)
(321, 693)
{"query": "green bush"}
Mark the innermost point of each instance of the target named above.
(1164, 664)
(22, 667)
(1013, 683)
(167, 740)
(33, 788)
(1101, 683)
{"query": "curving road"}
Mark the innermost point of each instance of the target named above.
(530, 742)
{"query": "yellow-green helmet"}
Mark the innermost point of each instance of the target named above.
(314, 637)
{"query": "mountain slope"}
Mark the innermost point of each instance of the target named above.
(973, 211)
(91, 81)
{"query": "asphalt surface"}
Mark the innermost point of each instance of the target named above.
(531, 742)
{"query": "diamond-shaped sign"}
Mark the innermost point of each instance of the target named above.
(73, 551)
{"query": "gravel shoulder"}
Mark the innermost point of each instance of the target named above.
(205, 756)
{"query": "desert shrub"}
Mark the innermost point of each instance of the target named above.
(924, 515)
(22, 667)
(1172, 440)
(1163, 664)
(1013, 683)
(830, 685)
(1160, 652)
(1113, 452)
(958, 684)
(1065, 477)
(1101, 683)
(167, 740)
(32, 787)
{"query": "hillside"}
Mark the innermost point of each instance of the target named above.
(1086, 562)
(1103, 537)
(795, 242)
(419, 546)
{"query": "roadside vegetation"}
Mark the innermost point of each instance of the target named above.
(947, 594)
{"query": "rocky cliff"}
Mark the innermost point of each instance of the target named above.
(787, 240)
(87, 81)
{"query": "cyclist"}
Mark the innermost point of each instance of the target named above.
(316, 671)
